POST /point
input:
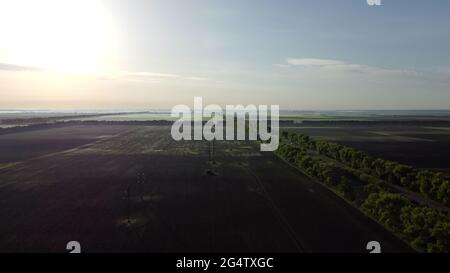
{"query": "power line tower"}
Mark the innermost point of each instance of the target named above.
(211, 151)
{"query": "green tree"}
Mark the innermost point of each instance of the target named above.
(386, 208)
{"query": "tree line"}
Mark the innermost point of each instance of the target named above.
(433, 185)
(357, 177)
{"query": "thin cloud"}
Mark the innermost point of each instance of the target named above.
(342, 66)
(13, 67)
(148, 76)
(282, 65)
(444, 70)
(156, 75)
(313, 62)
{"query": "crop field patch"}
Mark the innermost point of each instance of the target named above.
(142, 191)
(422, 147)
(21, 146)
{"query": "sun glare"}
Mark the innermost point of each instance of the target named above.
(64, 35)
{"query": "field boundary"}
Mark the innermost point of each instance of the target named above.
(348, 202)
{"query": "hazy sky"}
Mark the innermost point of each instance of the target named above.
(306, 55)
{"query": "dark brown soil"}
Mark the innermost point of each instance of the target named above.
(97, 195)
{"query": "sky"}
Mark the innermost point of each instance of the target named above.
(147, 54)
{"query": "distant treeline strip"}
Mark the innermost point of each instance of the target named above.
(40, 120)
(395, 122)
(49, 125)
(358, 178)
